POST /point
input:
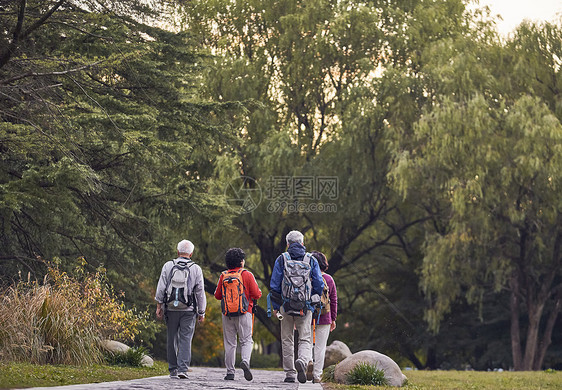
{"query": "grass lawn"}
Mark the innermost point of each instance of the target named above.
(473, 380)
(19, 375)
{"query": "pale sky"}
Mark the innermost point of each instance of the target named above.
(514, 11)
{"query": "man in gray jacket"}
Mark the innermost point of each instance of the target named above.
(180, 297)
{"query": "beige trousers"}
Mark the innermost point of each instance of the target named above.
(304, 348)
(231, 327)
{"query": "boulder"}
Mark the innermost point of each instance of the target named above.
(392, 372)
(118, 347)
(335, 353)
(147, 361)
(114, 346)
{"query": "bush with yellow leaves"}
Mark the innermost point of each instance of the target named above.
(63, 319)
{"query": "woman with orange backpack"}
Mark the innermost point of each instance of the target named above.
(237, 290)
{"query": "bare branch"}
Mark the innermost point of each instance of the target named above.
(59, 73)
(83, 31)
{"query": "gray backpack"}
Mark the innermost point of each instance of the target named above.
(296, 287)
(177, 295)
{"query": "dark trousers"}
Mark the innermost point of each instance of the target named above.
(181, 326)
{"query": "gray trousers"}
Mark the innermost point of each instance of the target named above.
(241, 326)
(181, 325)
(304, 349)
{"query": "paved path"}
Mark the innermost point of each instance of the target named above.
(200, 378)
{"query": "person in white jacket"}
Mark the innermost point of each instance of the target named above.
(180, 297)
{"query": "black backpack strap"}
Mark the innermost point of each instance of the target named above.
(169, 277)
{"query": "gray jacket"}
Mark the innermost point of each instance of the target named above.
(195, 283)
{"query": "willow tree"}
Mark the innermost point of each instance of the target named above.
(309, 72)
(484, 162)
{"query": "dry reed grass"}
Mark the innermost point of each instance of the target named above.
(62, 320)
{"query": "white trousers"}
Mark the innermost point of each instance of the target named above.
(231, 327)
(322, 334)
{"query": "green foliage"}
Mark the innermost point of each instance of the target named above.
(485, 156)
(105, 143)
(312, 67)
(118, 138)
(131, 357)
(328, 373)
(265, 361)
(366, 374)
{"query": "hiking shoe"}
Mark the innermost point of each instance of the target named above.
(316, 380)
(229, 377)
(174, 374)
(247, 373)
(289, 380)
(301, 371)
(182, 375)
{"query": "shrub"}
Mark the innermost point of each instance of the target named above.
(62, 319)
(328, 373)
(366, 375)
(132, 357)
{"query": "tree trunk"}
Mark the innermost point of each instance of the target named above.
(414, 359)
(431, 361)
(515, 335)
(534, 313)
(547, 336)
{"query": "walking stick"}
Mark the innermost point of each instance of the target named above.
(313, 332)
(309, 369)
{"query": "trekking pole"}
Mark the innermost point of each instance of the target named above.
(313, 343)
(313, 332)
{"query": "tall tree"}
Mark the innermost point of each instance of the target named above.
(322, 112)
(484, 161)
(105, 143)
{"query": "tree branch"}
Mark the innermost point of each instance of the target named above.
(7, 54)
(59, 73)
(43, 19)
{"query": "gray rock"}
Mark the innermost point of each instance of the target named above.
(336, 352)
(147, 361)
(392, 372)
(118, 347)
(114, 346)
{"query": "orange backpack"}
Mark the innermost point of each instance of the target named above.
(234, 301)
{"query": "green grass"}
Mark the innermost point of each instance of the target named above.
(469, 380)
(366, 374)
(18, 375)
